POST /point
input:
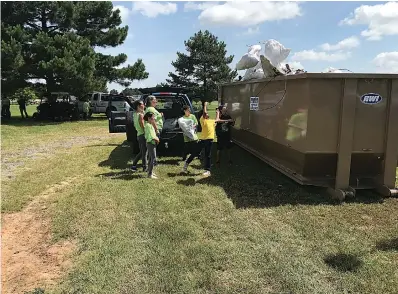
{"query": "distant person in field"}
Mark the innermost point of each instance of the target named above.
(22, 107)
(5, 108)
(86, 109)
(207, 137)
(139, 124)
(158, 117)
(223, 131)
(191, 144)
(151, 141)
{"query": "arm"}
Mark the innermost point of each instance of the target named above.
(141, 120)
(153, 135)
(204, 108)
(218, 120)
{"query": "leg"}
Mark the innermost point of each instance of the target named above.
(20, 110)
(229, 147)
(184, 152)
(143, 150)
(151, 155)
(207, 146)
(26, 114)
(220, 147)
(135, 161)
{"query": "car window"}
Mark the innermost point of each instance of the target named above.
(96, 96)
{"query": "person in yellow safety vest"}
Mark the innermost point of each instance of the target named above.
(297, 126)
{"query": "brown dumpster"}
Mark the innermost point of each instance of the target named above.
(333, 130)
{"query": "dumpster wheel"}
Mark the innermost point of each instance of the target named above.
(387, 192)
(341, 195)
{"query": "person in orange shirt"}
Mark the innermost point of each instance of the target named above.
(207, 137)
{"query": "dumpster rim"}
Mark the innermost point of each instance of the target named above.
(319, 76)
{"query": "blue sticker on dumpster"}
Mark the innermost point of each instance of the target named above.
(371, 98)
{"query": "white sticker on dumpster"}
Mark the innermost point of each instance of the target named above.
(371, 98)
(254, 103)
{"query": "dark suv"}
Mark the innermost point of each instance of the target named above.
(170, 102)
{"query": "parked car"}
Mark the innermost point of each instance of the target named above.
(99, 103)
(59, 106)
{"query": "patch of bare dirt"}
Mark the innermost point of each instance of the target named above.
(29, 259)
(16, 159)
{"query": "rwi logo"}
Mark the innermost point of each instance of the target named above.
(371, 98)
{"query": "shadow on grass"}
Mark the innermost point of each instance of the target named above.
(30, 122)
(344, 262)
(250, 183)
(388, 245)
(27, 122)
(119, 157)
(122, 175)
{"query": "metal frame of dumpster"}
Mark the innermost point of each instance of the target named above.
(348, 145)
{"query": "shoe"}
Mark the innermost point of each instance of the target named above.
(185, 168)
(207, 173)
(152, 176)
(134, 168)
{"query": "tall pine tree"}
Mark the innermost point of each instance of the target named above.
(55, 41)
(203, 67)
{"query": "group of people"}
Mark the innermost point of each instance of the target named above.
(148, 122)
(6, 108)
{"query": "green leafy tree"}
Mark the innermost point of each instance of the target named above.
(163, 84)
(114, 92)
(203, 66)
(131, 92)
(56, 41)
(26, 94)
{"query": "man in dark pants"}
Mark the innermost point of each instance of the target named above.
(223, 131)
(22, 107)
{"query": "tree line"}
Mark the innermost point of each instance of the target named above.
(55, 42)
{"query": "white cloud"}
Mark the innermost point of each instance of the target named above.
(387, 62)
(312, 55)
(347, 43)
(250, 32)
(153, 9)
(192, 6)
(124, 12)
(381, 19)
(246, 14)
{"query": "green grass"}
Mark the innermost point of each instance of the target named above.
(247, 229)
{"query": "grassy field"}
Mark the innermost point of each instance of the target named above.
(246, 229)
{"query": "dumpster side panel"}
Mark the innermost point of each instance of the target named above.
(370, 119)
(324, 115)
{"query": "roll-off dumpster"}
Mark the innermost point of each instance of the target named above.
(334, 130)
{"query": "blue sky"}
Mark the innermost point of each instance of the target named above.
(359, 36)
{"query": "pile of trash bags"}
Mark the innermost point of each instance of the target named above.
(269, 64)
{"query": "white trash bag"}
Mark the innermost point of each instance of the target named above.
(255, 50)
(275, 52)
(250, 59)
(188, 128)
(247, 61)
(255, 72)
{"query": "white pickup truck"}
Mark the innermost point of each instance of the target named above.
(99, 103)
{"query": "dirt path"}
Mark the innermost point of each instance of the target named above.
(29, 260)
